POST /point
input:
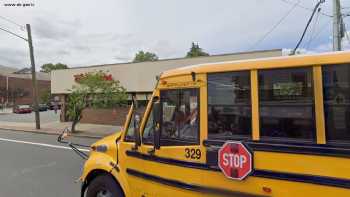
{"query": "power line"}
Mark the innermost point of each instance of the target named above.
(313, 29)
(22, 27)
(274, 27)
(305, 8)
(8, 31)
(323, 27)
(307, 26)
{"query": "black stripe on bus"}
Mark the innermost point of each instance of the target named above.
(321, 180)
(187, 186)
(290, 147)
(167, 160)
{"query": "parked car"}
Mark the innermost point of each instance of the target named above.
(43, 107)
(19, 109)
(52, 106)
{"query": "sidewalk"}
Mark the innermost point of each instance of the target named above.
(55, 128)
(6, 111)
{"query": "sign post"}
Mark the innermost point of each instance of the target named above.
(234, 160)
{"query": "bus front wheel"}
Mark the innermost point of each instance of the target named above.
(104, 186)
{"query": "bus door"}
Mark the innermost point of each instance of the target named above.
(127, 144)
(175, 168)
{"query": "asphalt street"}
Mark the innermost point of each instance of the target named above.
(35, 165)
(45, 116)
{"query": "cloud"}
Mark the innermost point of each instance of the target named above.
(54, 29)
(16, 57)
(322, 48)
(90, 32)
(81, 47)
(63, 52)
(166, 49)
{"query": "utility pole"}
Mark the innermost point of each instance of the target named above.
(337, 22)
(7, 90)
(316, 8)
(35, 88)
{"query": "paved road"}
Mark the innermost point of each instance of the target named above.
(31, 167)
(45, 116)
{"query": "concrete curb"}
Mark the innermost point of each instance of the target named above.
(49, 133)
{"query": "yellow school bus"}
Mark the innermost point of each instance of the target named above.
(289, 115)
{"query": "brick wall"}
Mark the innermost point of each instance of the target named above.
(115, 116)
(2, 88)
(26, 87)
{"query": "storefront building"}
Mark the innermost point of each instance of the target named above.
(138, 78)
(16, 86)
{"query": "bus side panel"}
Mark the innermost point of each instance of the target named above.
(288, 174)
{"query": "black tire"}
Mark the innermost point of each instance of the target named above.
(105, 185)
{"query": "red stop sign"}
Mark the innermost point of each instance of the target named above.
(234, 160)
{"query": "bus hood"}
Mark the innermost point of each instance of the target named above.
(108, 144)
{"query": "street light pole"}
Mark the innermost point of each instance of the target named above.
(34, 82)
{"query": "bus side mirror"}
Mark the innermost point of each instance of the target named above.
(137, 121)
(156, 112)
(156, 121)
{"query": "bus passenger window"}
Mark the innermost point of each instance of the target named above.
(180, 117)
(286, 102)
(229, 105)
(336, 93)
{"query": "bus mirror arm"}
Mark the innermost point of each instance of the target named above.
(74, 146)
(156, 143)
(157, 139)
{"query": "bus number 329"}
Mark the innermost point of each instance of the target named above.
(193, 153)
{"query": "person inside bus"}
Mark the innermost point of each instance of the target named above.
(216, 123)
(179, 122)
(190, 128)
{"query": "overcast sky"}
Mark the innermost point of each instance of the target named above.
(90, 32)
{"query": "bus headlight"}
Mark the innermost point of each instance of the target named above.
(100, 148)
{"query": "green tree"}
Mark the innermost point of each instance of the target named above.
(142, 56)
(93, 89)
(45, 96)
(47, 68)
(196, 51)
